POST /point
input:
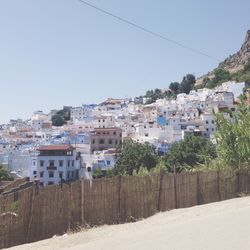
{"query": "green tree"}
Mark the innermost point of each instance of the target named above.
(133, 157)
(191, 151)
(221, 75)
(187, 83)
(5, 174)
(175, 87)
(233, 137)
(58, 120)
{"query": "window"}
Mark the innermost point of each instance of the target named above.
(34, 163)
(101, 141)
(73, 163)
(212, 129)
(41, 163)
(212, 121)
(68, 163)
(110, 141)
(206, 122)
(114, 133)
(60, 163)
(41, 174)
(116, 141)
(60, 175)
(51, 163)
(34, 172)
(51, 174)
(108, 162)
(93, 141)
(207, 129)
(50, 183)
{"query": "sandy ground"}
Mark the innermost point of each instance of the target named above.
(221, 225)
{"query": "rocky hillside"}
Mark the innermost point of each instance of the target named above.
(234, 62)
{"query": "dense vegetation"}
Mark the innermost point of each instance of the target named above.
(221, 75)
(141, 159)
(190, 152)
(175, 88)
(185, 86)
(233, 138)
(61, 117)
(153, 95)
(5, 174)
(134, 156)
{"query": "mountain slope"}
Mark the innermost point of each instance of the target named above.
(234, 62)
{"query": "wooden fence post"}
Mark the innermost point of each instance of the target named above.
(238, 183)
(160, 190)
(119, 198)
(175, 191)
(31, 212)
(199, 202)
(218, 183)
(82, 201)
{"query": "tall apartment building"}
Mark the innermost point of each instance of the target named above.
(105, 138)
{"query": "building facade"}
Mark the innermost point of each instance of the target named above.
(55, 164)
(105, 138)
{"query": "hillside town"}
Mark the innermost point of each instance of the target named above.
(89, 140)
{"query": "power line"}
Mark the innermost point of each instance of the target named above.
(148, 30)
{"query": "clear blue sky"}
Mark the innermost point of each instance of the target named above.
(61, 52)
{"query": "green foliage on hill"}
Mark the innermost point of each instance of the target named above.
(221, 75)
(185, 86)
(153, 95)
(5, 174)
(175, 88)
(61, 117)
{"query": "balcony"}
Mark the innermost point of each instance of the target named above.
(51, 168)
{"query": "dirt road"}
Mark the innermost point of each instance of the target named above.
(221, 225)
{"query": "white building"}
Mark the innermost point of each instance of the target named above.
(40, 121)
(56, 163)
(105, 121)
(78, 114)
(209, 124)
